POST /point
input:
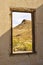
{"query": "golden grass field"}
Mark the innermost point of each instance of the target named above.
(22, 37)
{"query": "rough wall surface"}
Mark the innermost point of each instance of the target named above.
(5, 33)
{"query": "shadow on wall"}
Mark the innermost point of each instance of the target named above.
(4, 42)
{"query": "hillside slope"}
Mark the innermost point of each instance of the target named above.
(22, 33)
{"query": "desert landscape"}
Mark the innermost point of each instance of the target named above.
(22, 36)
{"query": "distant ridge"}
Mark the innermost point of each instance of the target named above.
(23, 24)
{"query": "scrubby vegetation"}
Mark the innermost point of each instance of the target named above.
(20, 45)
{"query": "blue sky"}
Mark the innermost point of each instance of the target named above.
(18, 17)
